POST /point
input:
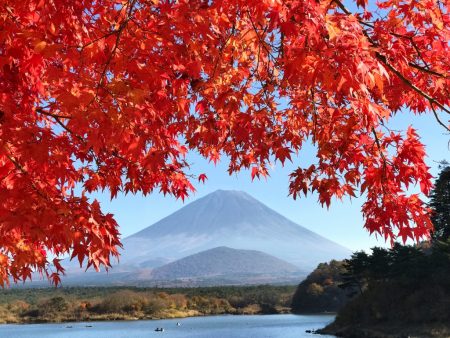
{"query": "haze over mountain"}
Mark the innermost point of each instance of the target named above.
(223, 218)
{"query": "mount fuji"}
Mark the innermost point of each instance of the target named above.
(224, 218)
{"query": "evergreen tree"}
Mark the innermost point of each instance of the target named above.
(440, 204)
(357, 269)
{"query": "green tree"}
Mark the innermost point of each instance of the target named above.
(356, 271)
(409, 263)
(379, 264)
(440, 204)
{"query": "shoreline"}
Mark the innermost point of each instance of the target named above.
(125, 317)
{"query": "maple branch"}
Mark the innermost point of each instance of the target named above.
(432, 100)
(40, 110)
(255, 70)
(19, 167)
(426, 69)
(427, 66)
(118, 33)
(95, 40)
(261, 41)
(384, 61)
(221, 49)
(315, 114)
(342, 7)
(378, 143)
(67, 128)
(11, 15)
(82, 140)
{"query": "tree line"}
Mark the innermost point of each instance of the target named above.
(116, 303)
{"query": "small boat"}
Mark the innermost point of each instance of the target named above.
(159, 329)
(178, 324)
(68, 327)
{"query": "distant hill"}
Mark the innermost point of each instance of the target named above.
(224, 262)
(232, 219)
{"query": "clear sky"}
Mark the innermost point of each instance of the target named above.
(342, 223)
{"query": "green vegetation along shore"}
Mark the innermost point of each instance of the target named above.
(124, 303)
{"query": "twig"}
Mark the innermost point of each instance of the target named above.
(438, 119)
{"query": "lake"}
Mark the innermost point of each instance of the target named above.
(257, 326)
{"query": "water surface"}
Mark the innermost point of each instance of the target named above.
(267, 326)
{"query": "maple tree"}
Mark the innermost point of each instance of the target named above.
(103, 94)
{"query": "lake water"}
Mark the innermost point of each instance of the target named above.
(269, 326)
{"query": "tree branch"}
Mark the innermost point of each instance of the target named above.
(20, 168)
(41, 110)
(438, 119)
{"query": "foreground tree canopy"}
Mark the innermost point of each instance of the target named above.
(102, 94)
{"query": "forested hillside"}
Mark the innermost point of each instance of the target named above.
(321, 291)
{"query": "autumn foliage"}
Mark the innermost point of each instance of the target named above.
(102, 94)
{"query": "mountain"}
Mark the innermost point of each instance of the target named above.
(232, 219)
(223, 262)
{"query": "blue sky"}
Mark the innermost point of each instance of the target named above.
(342, 223)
